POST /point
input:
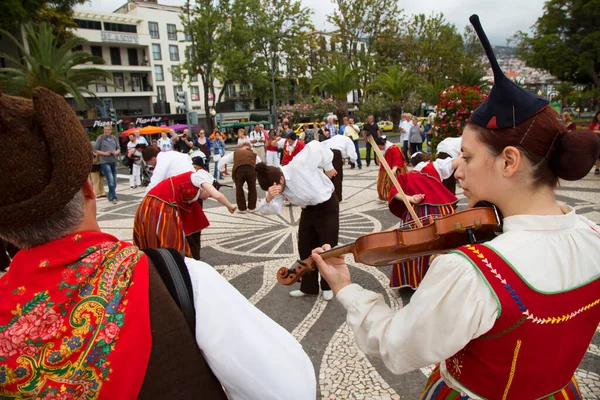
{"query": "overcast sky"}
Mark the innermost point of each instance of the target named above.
(500, 18)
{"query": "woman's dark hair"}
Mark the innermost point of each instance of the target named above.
(267, 175)
(544, 140)
(419, 158)
(596, 119)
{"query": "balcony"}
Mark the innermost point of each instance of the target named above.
(118, 68)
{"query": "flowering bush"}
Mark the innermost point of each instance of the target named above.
(456, 105)
(307, 110)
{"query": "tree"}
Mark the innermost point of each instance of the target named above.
(377, 105)
(471, 76)
(430, 91)
(57, 13)
(397, 85)
(565, 41)
(49, 65)
(337, 80)
(202, 22)
(432, 47)
(564, 91)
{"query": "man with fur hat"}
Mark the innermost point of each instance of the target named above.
(306, 182)
(86, 316)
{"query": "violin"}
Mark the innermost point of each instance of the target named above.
(391, 247)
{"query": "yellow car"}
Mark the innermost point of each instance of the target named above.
(385, 126)
(303, 127)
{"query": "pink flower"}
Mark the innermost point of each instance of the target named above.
(29, 350)
(7, 347)
(109, 333)
(50, 324)
(23, 328)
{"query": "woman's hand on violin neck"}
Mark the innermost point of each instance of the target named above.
(334, 270)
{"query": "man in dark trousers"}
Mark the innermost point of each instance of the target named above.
(244, 160)
(370, 129)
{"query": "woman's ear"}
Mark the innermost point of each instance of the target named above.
(511, 158)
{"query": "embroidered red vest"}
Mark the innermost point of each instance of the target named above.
(75, 321)
(538, 340)
(287, 157)
(179, 191)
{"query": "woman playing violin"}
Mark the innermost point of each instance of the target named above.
(511, 318)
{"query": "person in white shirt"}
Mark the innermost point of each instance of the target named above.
(342, 147)
(257, 140)
(166, 164)
(135, 155)
(511, 318)
(405, 126)
(164, 143)
(140, 139)
(305, 184)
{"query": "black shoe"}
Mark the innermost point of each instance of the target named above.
(360, 167)
(597, 171)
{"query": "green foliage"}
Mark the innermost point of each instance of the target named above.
(398, 86)
(565, 41)
(337, 80)
(564, 91)
(377, 105)
(53, 66)
(57, 13)
(430, 91)
(471, 76)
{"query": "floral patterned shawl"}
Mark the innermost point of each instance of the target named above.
(75, 321)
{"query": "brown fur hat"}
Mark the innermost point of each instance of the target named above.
(45, 157)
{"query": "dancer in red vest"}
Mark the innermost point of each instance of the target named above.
(170, 211)
(395, 160)
(424, 188)
(291, 147)
(511, 318)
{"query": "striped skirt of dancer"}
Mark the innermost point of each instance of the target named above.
(437, 389)
(384, 183)
(157, 225)
(411, 273)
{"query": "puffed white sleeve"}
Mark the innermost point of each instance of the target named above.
(314, 155)
(444, 167)
(452, 306)
(252, 356)
(226, 159)
(201, 176)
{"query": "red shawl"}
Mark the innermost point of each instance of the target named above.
(75, 320)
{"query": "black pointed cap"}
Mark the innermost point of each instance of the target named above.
(508, 104)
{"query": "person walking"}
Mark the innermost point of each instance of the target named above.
(244, 161)
(218, 146)
(351, 131)
(107, 148)
(415, 136)
(370, 129)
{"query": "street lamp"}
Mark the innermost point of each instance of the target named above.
(213, 112)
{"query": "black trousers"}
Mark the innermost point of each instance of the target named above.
(195, 243)
(414, 147)
(338, 165)
(245, 174)
(368, 155)
(319, 225)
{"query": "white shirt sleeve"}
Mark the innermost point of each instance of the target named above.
(314, 155)
(252, 356)
(201, 176)
(226, 159)
(281, 143)
(452, 306)
(443, 167)
(351, 151)
(258, 159)
(274, 207)
(160, 169)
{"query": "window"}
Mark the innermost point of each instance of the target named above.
(110, 26)
(176, 76)
(188, 36)
(136, 82)
(195, 93)
(96, 51)
(119, 82)
(115, 56)
(132, 54)
(177, 89)
(194, 78)
(158, 72)
(101, 88)
(153, 28)
(230, 91)
(156, 54)
(174, 52)
(161, 93)
(171, 32)
(85, 24)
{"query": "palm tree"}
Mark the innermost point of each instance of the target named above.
(397, 85)
(471, 77)
(49, 65)
(564, 90)
(337, 81)
(430, 91)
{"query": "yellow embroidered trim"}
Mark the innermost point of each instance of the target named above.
(512, 369)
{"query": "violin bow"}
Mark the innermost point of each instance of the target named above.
(387, 168)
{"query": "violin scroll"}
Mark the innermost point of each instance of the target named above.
(289, 276)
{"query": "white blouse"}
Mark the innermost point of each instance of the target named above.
(454, 305)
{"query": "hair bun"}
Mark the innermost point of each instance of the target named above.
(575, 154)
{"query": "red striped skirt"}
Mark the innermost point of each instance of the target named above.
(411, 273)
(158, 225)
(384, 183)
(437, 389)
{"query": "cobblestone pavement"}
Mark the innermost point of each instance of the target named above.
(248, 249)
